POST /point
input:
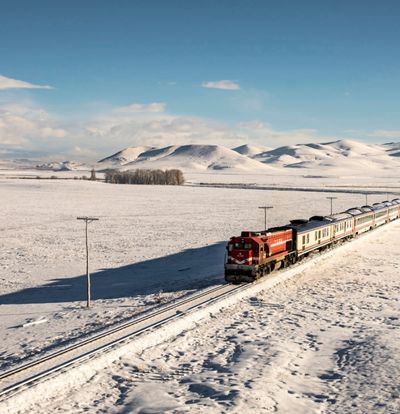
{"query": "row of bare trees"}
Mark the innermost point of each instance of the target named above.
(167, 177)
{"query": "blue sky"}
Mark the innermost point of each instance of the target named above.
(266, 71)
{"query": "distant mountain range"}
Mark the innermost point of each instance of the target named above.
(185, 157)
(334, 156)
(342, 154)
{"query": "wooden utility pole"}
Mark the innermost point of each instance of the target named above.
(87, 220)
(331, 198)
(265, 208)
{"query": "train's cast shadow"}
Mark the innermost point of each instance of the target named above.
(189, 269)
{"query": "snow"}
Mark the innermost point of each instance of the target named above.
(337, 155)
(251, 150)
(62, 166)
(197, 157)
(339, 158)
(325, 341)
(186, 157)
(318, 342)
(348, 158)
(126, 155)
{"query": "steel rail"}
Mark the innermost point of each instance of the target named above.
(6, 392)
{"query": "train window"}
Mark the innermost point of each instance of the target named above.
(243, 246)
(304, 239)
(319, 234)
(308, 238)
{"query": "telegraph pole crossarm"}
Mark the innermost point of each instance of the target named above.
(87, 220)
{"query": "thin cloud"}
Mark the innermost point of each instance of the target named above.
(386, 133)
(227, 85)
(377, 134)
(29, 128)
(9, 83)
(154, 107)
(26, 126)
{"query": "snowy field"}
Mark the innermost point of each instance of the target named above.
(324, 342)
(305, 346)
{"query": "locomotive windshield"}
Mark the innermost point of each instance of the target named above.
(242, 246)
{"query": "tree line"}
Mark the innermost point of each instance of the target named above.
(167, 177)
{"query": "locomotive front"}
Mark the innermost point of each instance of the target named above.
(254, 254)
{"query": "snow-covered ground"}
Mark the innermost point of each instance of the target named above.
(326, 341)
(155, 243)
(151, 244)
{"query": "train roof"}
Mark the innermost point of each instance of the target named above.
(358, 211)
(277, 229)
(379, 206)
(366, 209)
(320, 218)
(262, 233)
(302, 226)
(340, 216)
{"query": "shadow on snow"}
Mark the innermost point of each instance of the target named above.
(189, 269)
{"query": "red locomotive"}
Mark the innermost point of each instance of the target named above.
(255, 254)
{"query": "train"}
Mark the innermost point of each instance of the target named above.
(255, 254)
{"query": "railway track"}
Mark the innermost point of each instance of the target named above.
(14, 381)
(22, 377)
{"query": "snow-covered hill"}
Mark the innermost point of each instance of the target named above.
(338, 157)
(251, 150)
(62, 166)
(196, 158)
(392, 148)
(342, 154)
(126, 155)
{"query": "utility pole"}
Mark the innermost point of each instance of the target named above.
(331, 198)
(265, 208)
(87, 220)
